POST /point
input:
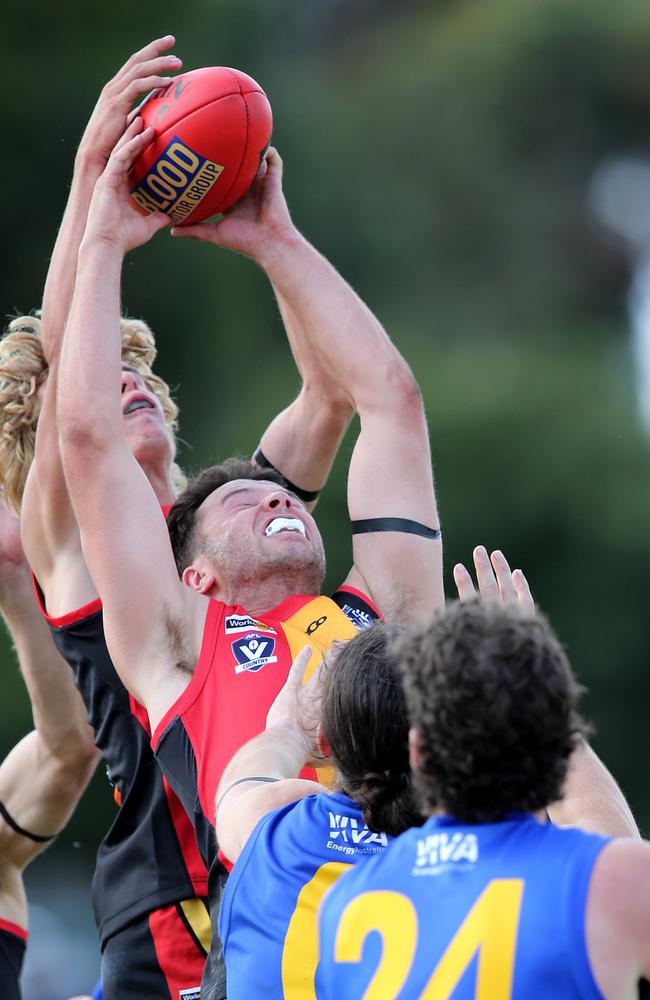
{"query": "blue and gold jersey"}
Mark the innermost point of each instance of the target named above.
(463, 912)
(269, 906)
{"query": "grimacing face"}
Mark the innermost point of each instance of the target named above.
(251, 528)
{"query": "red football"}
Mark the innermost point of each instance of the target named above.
(212, 127)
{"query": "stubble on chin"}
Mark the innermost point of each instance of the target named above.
(301, 571)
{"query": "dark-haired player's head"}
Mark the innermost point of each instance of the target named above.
(242, 525)
(492, 702)
(365, 724)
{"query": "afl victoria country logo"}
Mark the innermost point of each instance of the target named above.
(253, 651)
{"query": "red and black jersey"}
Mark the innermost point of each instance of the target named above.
(13, 940)
(149, 858)
(243, 664)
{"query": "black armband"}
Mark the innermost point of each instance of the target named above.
(307, 496)
(240, 781)
(37, 837)
(402, 524)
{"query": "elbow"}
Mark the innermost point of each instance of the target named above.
(78, 434)
(74, 751)
(77, 762)
(397, 393)
(403, 387)
(328, 407)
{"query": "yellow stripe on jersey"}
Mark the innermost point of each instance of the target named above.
(197, 916)
(300, 953)
(318, 623)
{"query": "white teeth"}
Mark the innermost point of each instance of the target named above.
(138, 404)
(284, 524)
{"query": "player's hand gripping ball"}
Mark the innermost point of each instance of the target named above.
(212, 128)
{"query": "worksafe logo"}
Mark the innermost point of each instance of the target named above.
(253, 651)
(244, 623)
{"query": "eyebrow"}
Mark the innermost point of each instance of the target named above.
(248, 489)
(232, 493)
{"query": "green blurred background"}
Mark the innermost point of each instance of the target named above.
(441, 155)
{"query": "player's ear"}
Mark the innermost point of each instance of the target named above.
(198, 579)
(324, 748)
(415, 752)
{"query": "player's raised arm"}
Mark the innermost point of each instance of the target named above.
(50, 530)
(397, 549)
(302, 441)
(591, 800)
(123, 532)
(44, 775)
(59, 713)
(143, 71)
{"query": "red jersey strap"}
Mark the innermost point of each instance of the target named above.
(9, 928)
(69, 619)
(227, 864)
(140, 713)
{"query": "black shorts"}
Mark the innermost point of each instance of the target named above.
(160, 956)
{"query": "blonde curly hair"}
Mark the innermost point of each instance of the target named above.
(23, 369)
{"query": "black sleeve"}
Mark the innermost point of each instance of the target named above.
(353, 606)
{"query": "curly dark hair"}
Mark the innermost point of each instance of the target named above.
(493, 699)
(181, 521)
(365, 722)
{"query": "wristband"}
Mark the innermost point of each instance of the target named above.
(403, 524)
(307, 496)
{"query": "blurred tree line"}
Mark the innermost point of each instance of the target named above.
(440, 155)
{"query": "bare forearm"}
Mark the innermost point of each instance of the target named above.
(39, 792)
(89, 375)
(349, 341)
(60, 280)
(302, 441)
(58, 711)
(275, 753)
(592, 799)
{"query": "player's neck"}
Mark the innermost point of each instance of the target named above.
(258, 596)
(160, 482)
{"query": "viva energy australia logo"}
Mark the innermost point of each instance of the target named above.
(349, 836)
(177, 182)
(253, 651)
(439, 851)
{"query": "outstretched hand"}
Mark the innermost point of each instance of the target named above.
(496, 581)
(297, 705)
(256, 221)
(144, 71)
(112, 218)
